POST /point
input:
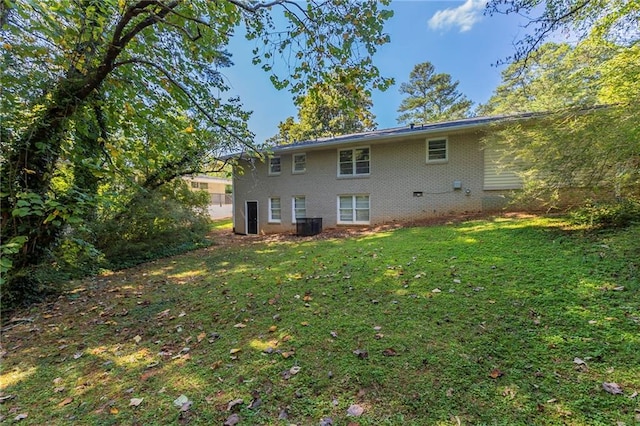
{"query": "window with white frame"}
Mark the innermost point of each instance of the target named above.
(275, 210)
(354, 161)
(437, 150)
(275, 166)
(299, 163)
(200, 185)
(353, 209)
(299, 206)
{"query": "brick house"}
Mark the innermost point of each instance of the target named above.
(398, 174)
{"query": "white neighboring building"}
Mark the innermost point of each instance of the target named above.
(220, 203)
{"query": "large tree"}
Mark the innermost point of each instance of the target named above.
(130, 93)
(587, 132)
(330, 110)
(588, 94)
(431, 97)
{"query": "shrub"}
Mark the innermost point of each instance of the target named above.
(154, 224)
(618, 214)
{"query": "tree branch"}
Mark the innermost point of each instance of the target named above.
(194, 101)
(182, 29)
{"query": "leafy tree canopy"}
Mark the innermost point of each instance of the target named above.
(588, 136)
(329, 110)
(105, 99)
(589, 133)
(431, 97)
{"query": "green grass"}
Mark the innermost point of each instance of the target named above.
(458, 304)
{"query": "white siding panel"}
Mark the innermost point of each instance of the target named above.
(496, 175)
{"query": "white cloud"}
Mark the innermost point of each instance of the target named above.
(463, 16)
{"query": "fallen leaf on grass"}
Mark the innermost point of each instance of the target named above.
(65, 401)
(284, 414)
(355, 410)
(612, 388)
(232, 420)
(288, 354)
(21, 417)
(579, 361)
(235, 351)
(255, 403)
(232, 404)
(272, 328)
(389, 352)
(240, 325)
(495, 373)
(135, 402)
(162, 314)
(137, 339)
(113, 410)
(295, 370)
(183, 402)
(5, 398)
(360, 353)
(201, 336)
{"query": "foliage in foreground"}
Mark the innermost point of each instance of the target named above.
(113, 96)
(503, 321)
(152, 224)
(617, 214)
(587, 132)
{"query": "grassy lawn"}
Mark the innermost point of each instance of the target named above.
(500, 321)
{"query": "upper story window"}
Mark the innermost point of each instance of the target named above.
(200, 185)
(275, 166)
(275, 210)
(354, 161)
(437, 151)
(299, 163)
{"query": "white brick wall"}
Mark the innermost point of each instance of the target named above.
(398, 169)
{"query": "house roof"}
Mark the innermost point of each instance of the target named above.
(396, 132)
(205, 178)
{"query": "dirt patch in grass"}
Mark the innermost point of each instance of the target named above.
(226, 237)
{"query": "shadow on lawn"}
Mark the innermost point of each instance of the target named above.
(485, 319)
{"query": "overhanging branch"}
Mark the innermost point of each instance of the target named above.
(184, 90)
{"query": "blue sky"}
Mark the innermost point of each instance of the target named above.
(453, 35)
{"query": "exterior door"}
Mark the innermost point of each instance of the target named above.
(252, 217)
